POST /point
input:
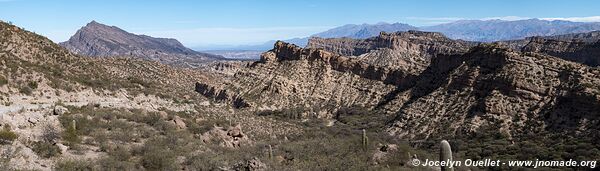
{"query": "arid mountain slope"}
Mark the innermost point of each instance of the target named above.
(100, 40)
(580, 47)
(59, 110)
(320, 82)
(582, 50)
(487, 88)
(292, 77)
(411, 50)
(493, 88)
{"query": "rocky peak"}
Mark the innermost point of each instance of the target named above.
(409, 51)
(409, 41)
(288, 51)
(99, 40)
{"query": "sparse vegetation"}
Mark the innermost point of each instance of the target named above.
(25, 90)
(45, 149)
(347, 138)
(74, 165)
(6, 135)
(3, 80)
(33, 85)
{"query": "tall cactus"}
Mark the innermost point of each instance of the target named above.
(365, 140)
(74, 124)
(446, 155)
(270, 152)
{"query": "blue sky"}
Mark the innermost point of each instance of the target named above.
(239, 22)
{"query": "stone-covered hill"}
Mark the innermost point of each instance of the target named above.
(321, 81)
(488, 85)
(476, 95)
(292, 77)
(582, 48)
(579, 47)
(100, 40)
(411, 50)
(61, 111)
(494, 88)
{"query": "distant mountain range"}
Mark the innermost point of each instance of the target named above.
(471, 30)
(364, 31)
(496, 30)
(100, 40)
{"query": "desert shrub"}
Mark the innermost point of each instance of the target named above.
(50, 133)
(3, 80)
(225, 157)
(360, 117)
(287, 113)
(25, 90)
(155, 157)
(6, 135)
(135, 80)
(118, 158)
(45, 149)
(70, 135)
(206, 162)
(111, 163)
(151, 119)
(73, 165)
(33, 85)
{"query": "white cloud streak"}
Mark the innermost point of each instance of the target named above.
(575, 19)
(506, 18)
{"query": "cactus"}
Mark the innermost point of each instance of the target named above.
(270, 152)
(73, 124)
(365, 139)
(446, 155)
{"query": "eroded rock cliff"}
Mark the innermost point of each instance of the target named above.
(493, 88)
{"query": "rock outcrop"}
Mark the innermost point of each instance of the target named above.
(292, 77)
(411, 51)
(232, 137)
(493, 88)
(583, 51)
(321, 81)
(488, 86)
(578, 47)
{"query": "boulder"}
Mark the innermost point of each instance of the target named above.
(231, 137)
(60, 110)
(163, 115)
(179, 122)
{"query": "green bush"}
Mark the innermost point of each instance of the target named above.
(71, 136)
(45, 149)
(7, 136)
(3, 80)
(111, 163)
(158, 158)
(25, 90)
(73, 165)
(33, 85)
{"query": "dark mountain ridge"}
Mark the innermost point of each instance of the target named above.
(100, 40)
